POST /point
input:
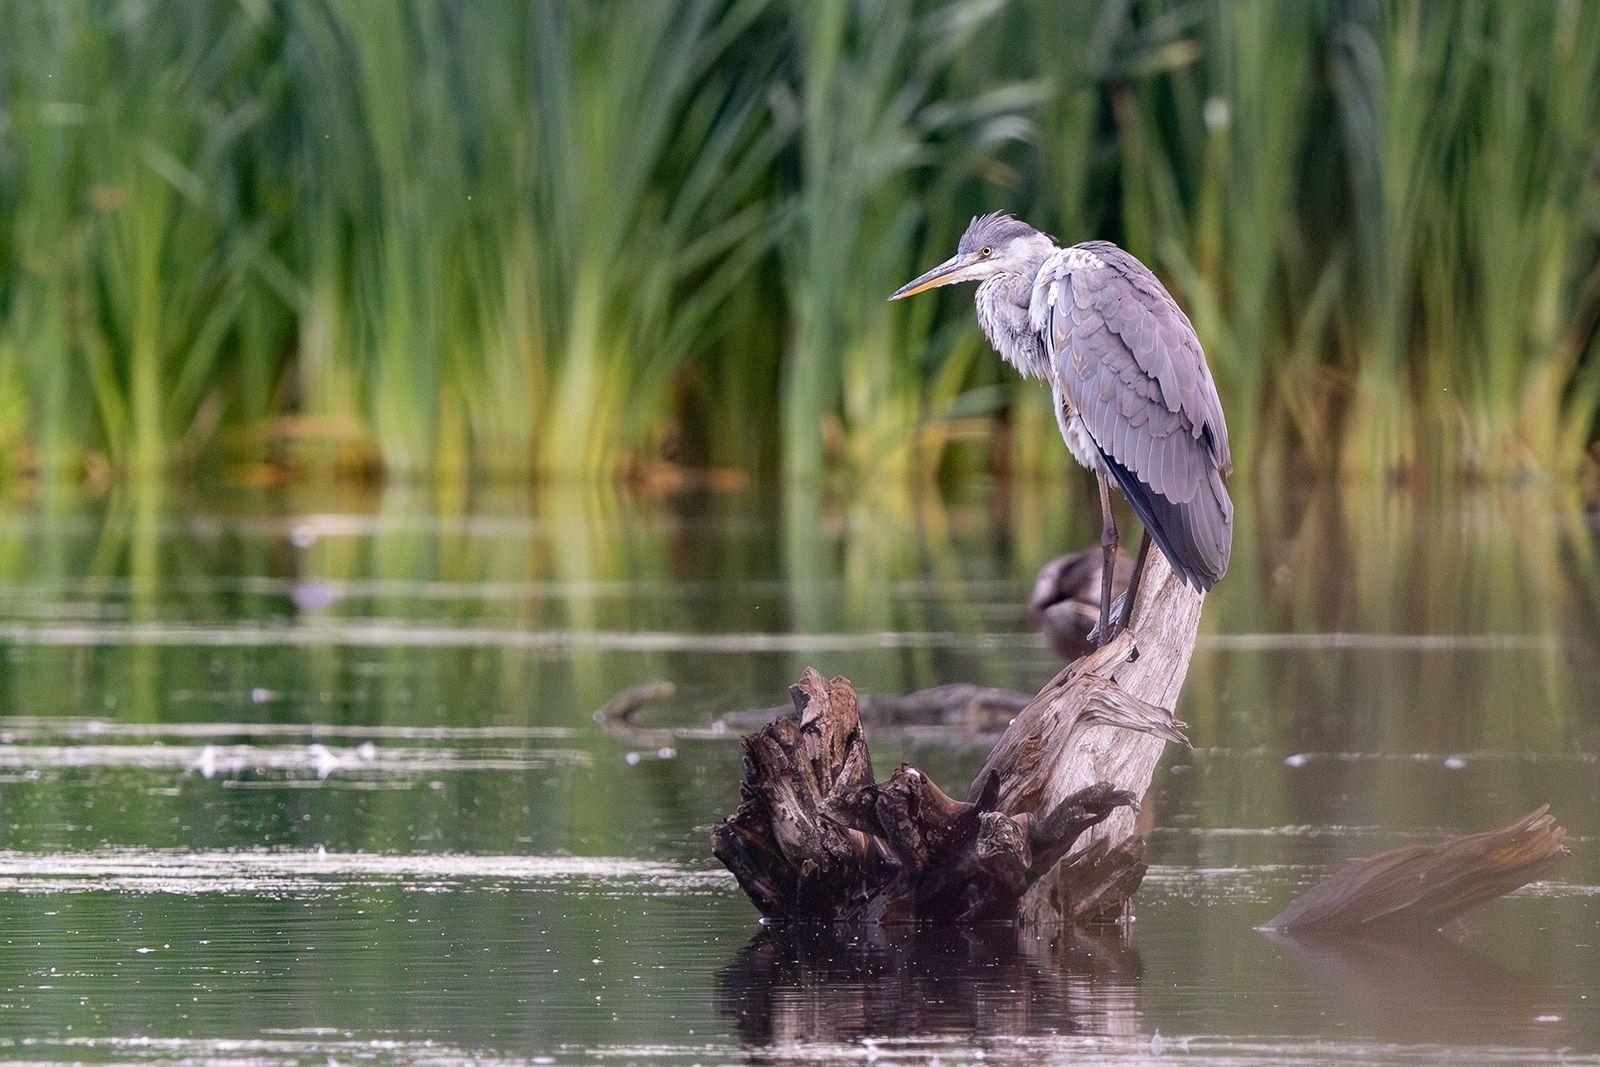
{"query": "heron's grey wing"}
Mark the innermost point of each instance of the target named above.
(1130, 364)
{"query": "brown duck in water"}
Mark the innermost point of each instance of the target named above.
(1065, 604)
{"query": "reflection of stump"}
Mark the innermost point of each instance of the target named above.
(804, 985)
(1040, 762)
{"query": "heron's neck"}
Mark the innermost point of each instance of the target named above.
(1003, 301)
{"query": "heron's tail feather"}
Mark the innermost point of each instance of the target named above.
(1196, 536)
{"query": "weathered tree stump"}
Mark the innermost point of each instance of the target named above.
(817, 838)
(1066, 740)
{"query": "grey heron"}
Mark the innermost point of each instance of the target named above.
(1133, 395)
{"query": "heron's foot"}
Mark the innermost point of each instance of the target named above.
(1120, 618)
(1122, 613)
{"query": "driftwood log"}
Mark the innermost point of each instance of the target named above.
(1421, 888)
(817, 837)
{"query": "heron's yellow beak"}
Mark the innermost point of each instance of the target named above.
(951, 270)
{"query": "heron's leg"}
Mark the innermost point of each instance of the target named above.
(1133, 583)
(1108, 549)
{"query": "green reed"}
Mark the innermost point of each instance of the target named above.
(437, 237)
(128, 250)
(881, 153)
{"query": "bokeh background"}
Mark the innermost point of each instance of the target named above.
(387, 384)
(444, 237)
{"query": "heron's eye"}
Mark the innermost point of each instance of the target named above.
(985, 250)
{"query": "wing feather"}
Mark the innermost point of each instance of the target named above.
(1133, 370)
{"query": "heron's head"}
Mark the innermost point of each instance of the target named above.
(993, 244)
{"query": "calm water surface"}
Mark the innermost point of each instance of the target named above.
(311, 778)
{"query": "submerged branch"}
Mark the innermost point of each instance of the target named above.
(1424, 887)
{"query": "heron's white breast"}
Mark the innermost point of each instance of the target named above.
(1073, 431)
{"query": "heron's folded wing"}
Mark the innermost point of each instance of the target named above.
(1129, 362)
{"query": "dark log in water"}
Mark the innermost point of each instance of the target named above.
(958, 712)
(620, 709)
(1423, 887)
(968, 710)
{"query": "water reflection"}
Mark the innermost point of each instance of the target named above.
(806, 993)
(800, 984)
(294, 689)
(1432, 989)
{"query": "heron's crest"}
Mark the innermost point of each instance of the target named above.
(994, 229)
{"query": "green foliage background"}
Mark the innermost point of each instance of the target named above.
(444, 236)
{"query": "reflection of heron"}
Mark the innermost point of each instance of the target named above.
(1132, 391)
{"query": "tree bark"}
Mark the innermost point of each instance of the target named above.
(1039, 763)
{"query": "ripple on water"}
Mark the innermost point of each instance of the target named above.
(318, 1048)
(281, 872)
(315, 761)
